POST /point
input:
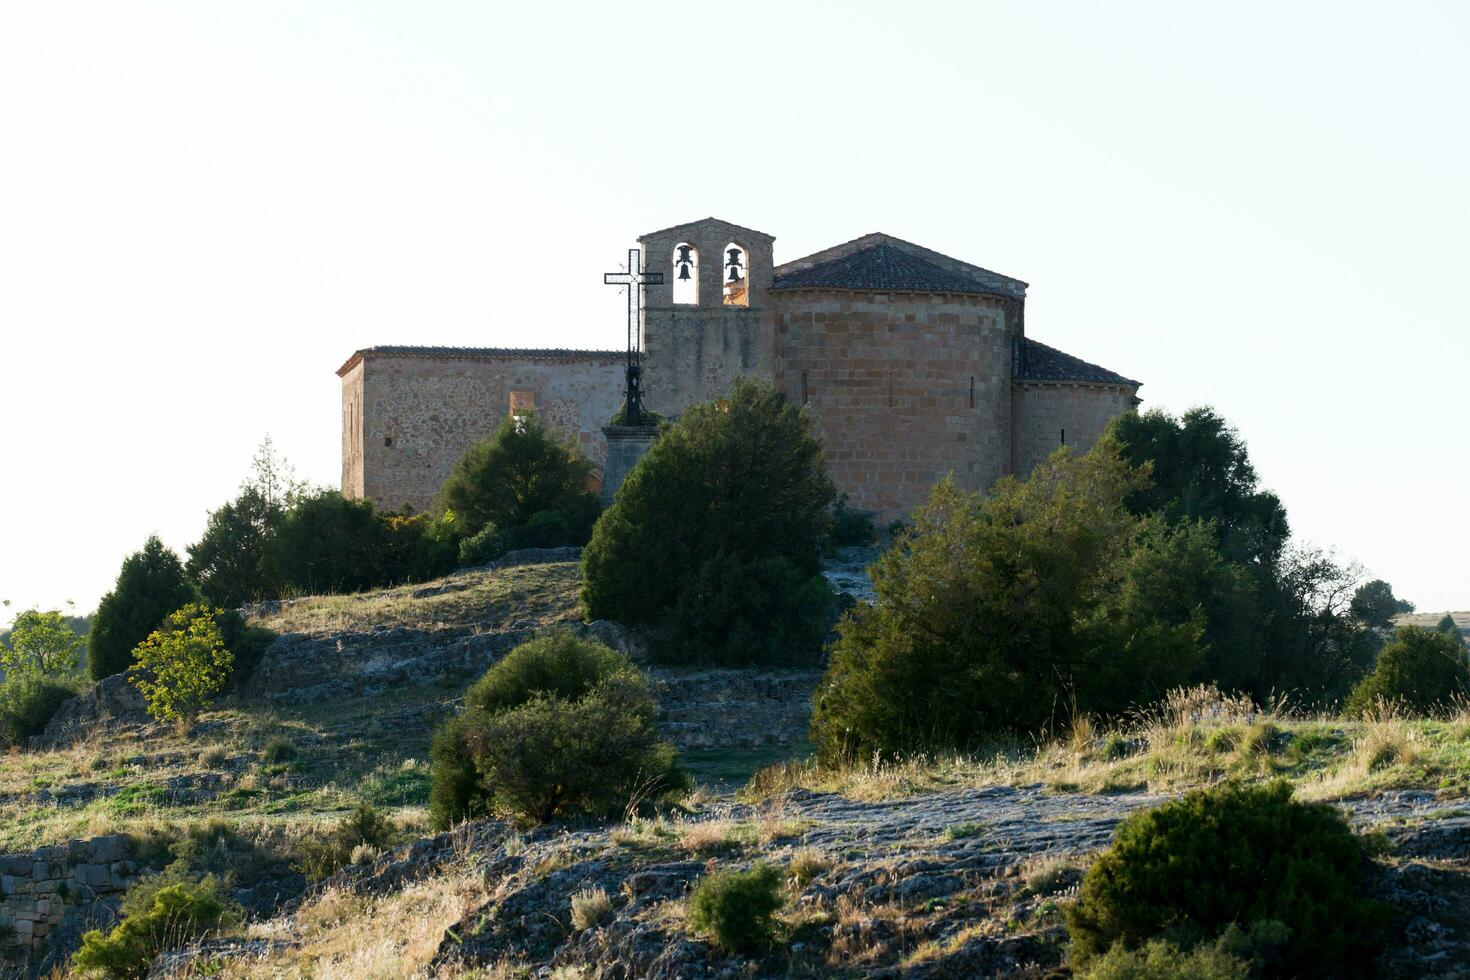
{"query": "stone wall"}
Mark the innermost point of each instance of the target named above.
(420, 412)
(1049, 414)
(904, 388)
(42, 890)
(352, 474)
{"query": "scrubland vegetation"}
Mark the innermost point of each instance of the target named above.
(1131, 622)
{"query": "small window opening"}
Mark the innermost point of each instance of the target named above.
(736, 277)
(686, 274)
(972, 391)
(388, 441)
(522, 404)
(804, 395)
(1064, 437)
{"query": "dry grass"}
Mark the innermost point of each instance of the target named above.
(346, 935)
(1194, 738)
(590, 907)
(538, 595)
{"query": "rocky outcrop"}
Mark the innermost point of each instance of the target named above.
(744, 709)
(112, 705)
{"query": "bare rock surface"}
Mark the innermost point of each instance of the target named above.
(112, 705)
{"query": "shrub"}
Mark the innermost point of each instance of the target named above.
(364, 828)
(40, 643)
(589, 907)
(182, 665)
(228, 561)
(150, 585)
(278, 749)
(1419, 672)
(484, 546)
(1004, 614)
(158, 913)
(245, 642)
(328, 543)
(1248, 856)
(520, 470)
(1446, 624)
(419, 547)
(733, 494)
(27, 702)
(1158, 960)
(736, 909)
(561, 726)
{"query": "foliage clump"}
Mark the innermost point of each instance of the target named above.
(41, 643)
(560, 727)
(181, 666)
(159, 913)
(714, 540)
(151, 584)
(519, 487)
(736, 909)
(1374, 604)
(1287, 876)
(1419, 672)
(1010, 612)
(27, 703)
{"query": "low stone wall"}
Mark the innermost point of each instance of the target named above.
(62, 888)
(740, 709)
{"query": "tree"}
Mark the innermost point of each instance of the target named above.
(1373, 604)
(273, 478)
(40, 643)
(228, 562)
(183, 665)
(1006, 613)
(328, 543)
(519, 471)
(1420, 671)
(1201, 470)
(731, 501)
(1447, 625)
(150, 585)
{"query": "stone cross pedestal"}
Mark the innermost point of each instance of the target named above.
(626, 445)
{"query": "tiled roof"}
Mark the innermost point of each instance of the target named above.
(1033, 361)
(883, 267)
(555, 354)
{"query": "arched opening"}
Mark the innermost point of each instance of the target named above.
(736, 277)
(686, 274)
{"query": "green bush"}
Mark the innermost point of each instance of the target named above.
(1243, 856)
(329, 543)
(182, 665)
(1158, 960)
(150, 585)
(1419, 671)
(245, 642)
(418, 547)
(733, 494)
(158, 913)
(1446, 624)
(520, 470)
(560, 727)
(485, 546)
(737, 909)
(228, 561)
(27, 702)
(1006, 613)
(41, 643)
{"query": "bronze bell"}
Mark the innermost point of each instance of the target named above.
(684, 270)
(684, 257)
(734, 257)
(734, 273)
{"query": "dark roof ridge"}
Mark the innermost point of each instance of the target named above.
(1031, 360)
(1003, 284)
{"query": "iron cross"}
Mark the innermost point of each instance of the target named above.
(635, 278)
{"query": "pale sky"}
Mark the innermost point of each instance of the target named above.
(206, 207)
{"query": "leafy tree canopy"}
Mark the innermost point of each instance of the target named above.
(150, 585)
(41, 643)
(182, 665)
(716, 535)
(1374, 604)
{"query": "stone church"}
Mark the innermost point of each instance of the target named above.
(911, 364)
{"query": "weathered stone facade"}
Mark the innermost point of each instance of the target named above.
(410, 413)
(912, 364)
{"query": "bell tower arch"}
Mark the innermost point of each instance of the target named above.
(697, 341)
